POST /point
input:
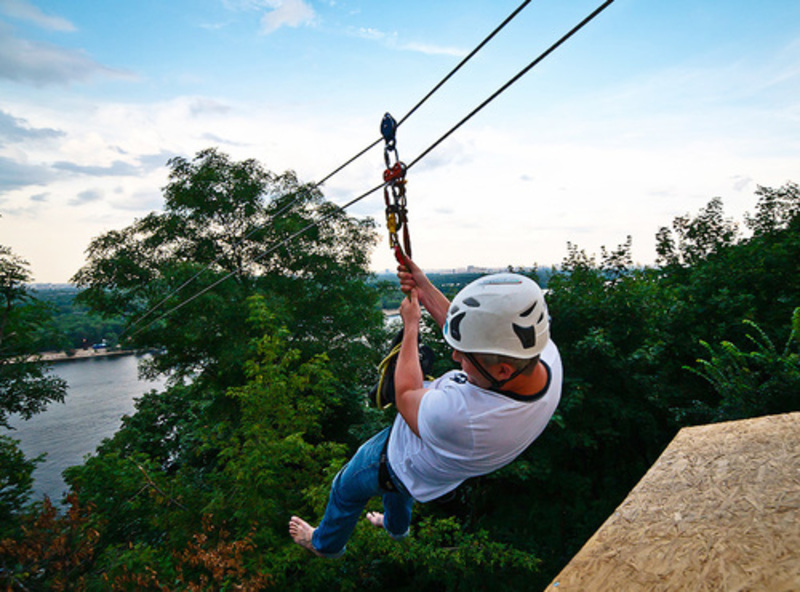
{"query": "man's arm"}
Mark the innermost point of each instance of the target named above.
(408, 379)
(411, 276)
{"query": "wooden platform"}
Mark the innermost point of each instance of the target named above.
(719, 510)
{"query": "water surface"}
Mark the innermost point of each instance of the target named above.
(100, 391)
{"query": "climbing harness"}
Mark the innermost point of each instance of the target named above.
(382, 394)
(394, 191)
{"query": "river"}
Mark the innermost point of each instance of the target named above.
(100, 391)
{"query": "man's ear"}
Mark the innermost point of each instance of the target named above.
(503, 371)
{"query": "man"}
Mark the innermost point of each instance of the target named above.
(463, 424)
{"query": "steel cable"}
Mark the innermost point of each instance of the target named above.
(352, 159)
(422, 155)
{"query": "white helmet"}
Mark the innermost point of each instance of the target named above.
(502, 314)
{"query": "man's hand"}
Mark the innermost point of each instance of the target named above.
(413, 278)
(410, 311)
(410, 276)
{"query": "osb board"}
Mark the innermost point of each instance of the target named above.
(719, 510)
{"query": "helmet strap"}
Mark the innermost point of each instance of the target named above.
(496, 385)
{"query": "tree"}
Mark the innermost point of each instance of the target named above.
(610, 424)
(755, 278)
(26, 388)
(232, 236)
(692, 240)
(175, 494)
(230, 230)
(776, 210)
(16, 480)
(627, 337)
(762, 381)
(55, 552)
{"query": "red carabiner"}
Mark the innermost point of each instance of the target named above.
(398, 171)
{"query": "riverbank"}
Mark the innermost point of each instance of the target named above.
(83, 354)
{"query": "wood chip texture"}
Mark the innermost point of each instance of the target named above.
(719, 510)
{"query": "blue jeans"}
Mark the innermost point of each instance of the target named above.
(352, 488)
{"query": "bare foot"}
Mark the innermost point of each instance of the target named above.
(375, 518)
(301, 532)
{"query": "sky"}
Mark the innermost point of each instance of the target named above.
(646, 114)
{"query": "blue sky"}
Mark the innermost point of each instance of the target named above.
(646, 114)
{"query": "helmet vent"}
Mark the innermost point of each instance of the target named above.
(526, 335)
(471, 302)
(455, 326)
(529, 311)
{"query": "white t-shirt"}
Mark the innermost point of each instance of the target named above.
(466, 431)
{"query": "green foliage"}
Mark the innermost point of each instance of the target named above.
(626, 337)
(74, 326)
(440, 555)
(279, 434)
(26, 387)
(269, 370)
(249, 404)
(762, 381)
(221, 239)
(692, 240)
(16, 480)
(777, 209)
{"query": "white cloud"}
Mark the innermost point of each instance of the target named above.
(146, 200)
(87, 196)
(513, 196)
(117, 168)
(288, 13)
(15, 129)
(430, 49)
(279, 13)
(15, 174)
(202, 106)
(392, 41)
(370, 33)
(40, 64)
(214, 26)
(20, 9)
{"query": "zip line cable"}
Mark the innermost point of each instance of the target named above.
(439, 85)
(163, 301)
(519, 75)
(352, 159)
(272, 249)
(422, 155)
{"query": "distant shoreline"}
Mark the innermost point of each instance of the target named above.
(82, 354)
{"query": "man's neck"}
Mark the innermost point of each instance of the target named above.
(528, 385)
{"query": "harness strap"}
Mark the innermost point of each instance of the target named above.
(384, 477)
(496, 385)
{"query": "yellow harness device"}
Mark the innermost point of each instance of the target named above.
(382, 394)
